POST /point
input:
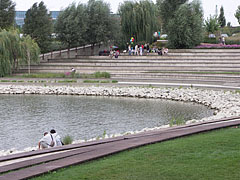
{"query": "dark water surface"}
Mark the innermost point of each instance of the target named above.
(24, 118)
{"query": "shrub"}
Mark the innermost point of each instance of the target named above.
(67, 140)
(210, 40)
(102, 75)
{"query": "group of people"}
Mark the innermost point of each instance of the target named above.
(141, 49)
(114, 53)
(138, 49)
(50, 139)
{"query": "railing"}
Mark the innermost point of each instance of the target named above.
(86, 50)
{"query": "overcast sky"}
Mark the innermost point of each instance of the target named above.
(209, 6)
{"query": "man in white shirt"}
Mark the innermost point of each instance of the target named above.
(47, 141)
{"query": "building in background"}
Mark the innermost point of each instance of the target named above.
(20, 16)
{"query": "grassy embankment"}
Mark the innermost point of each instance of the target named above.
(213, 155)
(90, 78)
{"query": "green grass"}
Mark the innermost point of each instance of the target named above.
(102, 75)
(44, 75)
(214, 155)
(5, 80)
(67, 81)
(114, 81)
(63, 75)
(91, 81)
(98, 81)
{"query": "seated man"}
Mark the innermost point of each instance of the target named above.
(46, 142)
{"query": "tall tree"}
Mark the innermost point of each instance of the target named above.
(15, 50)
(237, 14)
(167, 9)
(139, 20)
(71, 25)
(221, 18)
(99, 23)
(7, 14)
(38, 24)
(212, 25)
(185, 28)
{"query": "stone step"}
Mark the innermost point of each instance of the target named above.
(227, 57)
(204, 50)
(153, 62)
(178, 68)
(174, 75)
(130, 65)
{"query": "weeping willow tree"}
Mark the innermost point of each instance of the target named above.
(139, 20)
(15, 50)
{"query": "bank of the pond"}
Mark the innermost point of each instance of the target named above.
(212, 155)
(226, 103)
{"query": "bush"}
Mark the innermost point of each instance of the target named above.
(102, 75)
(67, 140)
(233, 40)
(210, 40)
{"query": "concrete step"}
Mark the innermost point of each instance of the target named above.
(136, 62)
(175, 75)
(171, 57)
(178, 68)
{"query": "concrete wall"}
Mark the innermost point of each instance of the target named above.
(87, 50)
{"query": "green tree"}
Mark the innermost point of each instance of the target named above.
(211, 24)
(7, 14)
(167, 9)
(139, 20)
(38, 24)
(221, 18)
(99, 24)
(185, 28)
(15, 50)
(237, 14)
(71, 25)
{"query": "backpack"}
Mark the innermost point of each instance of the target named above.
(52, 142)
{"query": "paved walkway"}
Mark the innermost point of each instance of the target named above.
(35, 163)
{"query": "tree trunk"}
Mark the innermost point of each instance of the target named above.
(92, 50)
(29, 63)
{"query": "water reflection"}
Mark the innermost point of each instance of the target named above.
(24, 118)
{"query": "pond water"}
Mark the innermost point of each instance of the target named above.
(24, 118)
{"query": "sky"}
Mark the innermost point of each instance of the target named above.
(209, 6)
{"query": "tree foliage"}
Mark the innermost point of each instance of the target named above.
(99, 24)
(211, 24)
(71, 25)
(14, 51)
(139, 20)
(237, 14)
(185, 28)
(85, 24)
(7, 14)
(38, 25)
(167, 9)
(221, 18)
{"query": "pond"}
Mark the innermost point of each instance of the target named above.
(24, 118)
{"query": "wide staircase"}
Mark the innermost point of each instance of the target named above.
(187, 66)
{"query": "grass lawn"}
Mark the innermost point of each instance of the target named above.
(209, 156)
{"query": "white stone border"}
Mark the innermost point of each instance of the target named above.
(226, 103)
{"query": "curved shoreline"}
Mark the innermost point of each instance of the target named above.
(226, 103)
